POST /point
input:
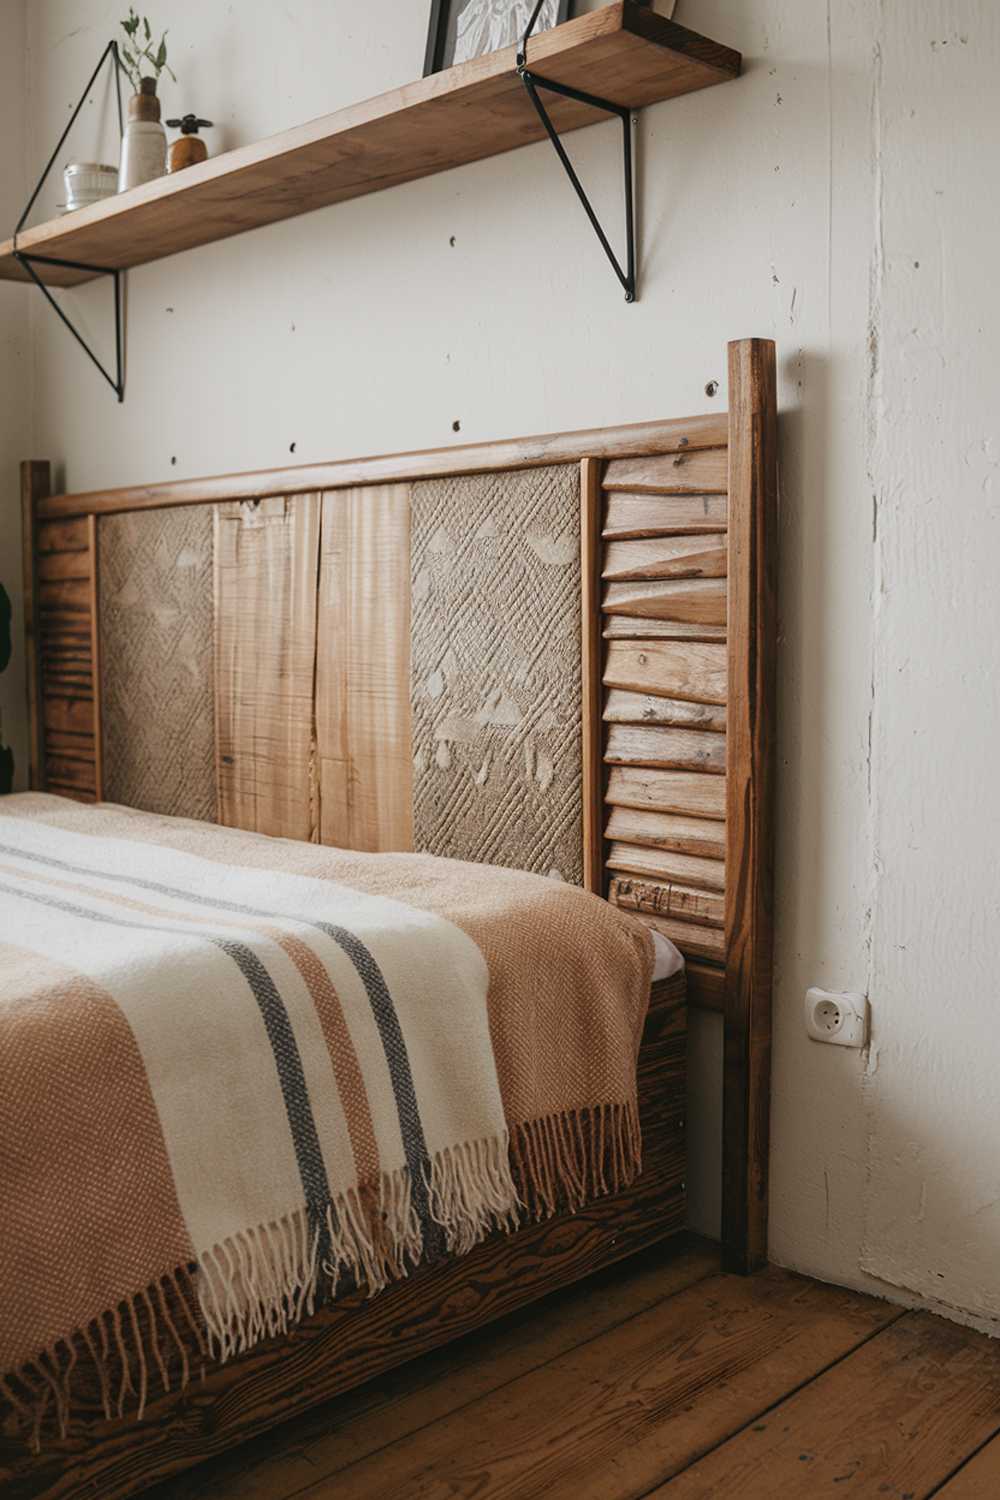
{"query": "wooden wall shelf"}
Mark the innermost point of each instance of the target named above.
(624, 53)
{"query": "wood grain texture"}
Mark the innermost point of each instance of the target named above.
(684, 473)
(671, 749)
(623, 52)
(666, 557)
(614, 1417)
(344, 1345)
(691, 601)
(979, 1478)
(398, 468)
(693, 940)
(62, 647)
(266, 561)
(689, 670)
(659, 899)
(364, 741)
(689, 793)
(665, 864)
(657, 830)
(35, 482)
(706, 986)
(894, 1418)
(592, 665)
(622, 707)
(750, 753)
(329, 1439)
(632, 516)
(625, 628)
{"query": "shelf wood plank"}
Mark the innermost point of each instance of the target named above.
(624, 52)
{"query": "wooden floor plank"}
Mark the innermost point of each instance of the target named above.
(613, 1417)
(280, 1463)
(894, 1420)
(978, 1479)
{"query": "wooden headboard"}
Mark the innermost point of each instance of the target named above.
(647, 730)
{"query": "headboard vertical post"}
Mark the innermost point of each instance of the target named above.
(591, 498)
(36, 485)
(752, 590)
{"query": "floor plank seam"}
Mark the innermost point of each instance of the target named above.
(699, 1280)
(766, 1411)
(953, 1474)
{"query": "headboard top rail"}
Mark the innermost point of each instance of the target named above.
(638, 439)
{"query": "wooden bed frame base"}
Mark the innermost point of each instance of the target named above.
(354, 1340)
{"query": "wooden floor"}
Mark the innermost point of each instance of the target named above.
(662, 1377)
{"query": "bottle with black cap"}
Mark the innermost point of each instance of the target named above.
(189, 147)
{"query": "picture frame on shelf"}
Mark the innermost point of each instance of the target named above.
(461, 30)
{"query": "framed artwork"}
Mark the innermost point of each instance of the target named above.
(462, 29)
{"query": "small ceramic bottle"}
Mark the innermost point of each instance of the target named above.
(189, 148)
(144, 145)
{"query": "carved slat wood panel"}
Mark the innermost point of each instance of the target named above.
(658, 515)
(702, 473)
(363, 720)
(266, 560)
(622, 707)
(62, 647)
(666, 557)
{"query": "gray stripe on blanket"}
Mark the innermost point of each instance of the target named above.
(379, 998)
(284, 1048)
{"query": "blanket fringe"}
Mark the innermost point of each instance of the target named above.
(261, 1282)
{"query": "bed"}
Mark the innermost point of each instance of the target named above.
(389, 655)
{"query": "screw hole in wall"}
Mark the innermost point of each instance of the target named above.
(712, 388)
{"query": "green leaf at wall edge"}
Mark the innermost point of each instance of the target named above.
(6, 615)
(6, 770)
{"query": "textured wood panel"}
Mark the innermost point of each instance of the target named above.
(592, 665)
(750, 752)
(659, 515)
(621, 707)
(266, 561)
(668, 865)
(686, 792)
(624, 628)
(703, 473)
(666, 557)
(63, 658)
(496, 669)
(343, 1345)
(689, 670)
(363, 723)
(691, 601)
(671, 749)
(661, 899)
(693, 940)
(700, 836)
(157, 622)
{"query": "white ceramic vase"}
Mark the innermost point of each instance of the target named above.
(144, 144)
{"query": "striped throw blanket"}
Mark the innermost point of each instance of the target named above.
(239, 1072)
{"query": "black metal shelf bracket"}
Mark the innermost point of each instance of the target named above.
(29, 261)
(533, 82)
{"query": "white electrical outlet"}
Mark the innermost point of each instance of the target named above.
(839, 1018)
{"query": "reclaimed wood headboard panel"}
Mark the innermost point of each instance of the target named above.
(314, 728)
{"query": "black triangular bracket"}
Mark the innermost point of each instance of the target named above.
(533, 82)
(29, 261)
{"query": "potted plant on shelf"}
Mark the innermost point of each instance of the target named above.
(144, 145)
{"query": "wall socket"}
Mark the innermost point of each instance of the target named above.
(838, 1017)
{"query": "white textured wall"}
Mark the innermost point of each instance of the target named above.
(839, 198)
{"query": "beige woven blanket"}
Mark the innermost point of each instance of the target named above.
(236, 1072)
